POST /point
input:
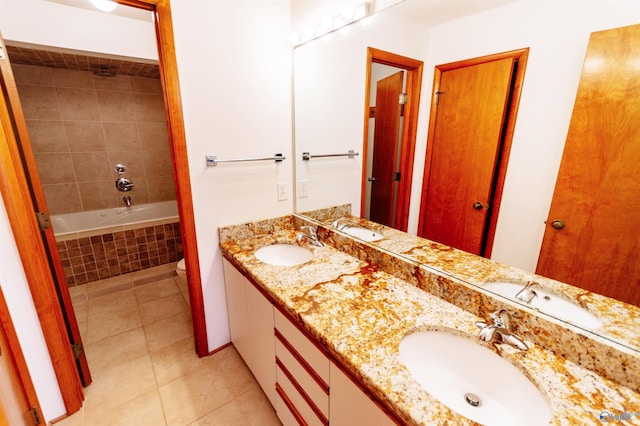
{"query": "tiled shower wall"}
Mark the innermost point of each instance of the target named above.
(97, 257)
(81, 125)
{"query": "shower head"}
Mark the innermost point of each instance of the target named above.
(103, 72)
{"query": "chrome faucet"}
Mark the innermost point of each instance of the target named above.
(127, 200)
(311, 236)
(336, 224)
(499, 331)
(527, 294)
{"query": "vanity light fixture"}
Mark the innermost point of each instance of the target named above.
(105, 5)
(348, 15)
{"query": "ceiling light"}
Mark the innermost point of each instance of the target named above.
(105, 5)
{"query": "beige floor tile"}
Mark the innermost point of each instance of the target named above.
(113, 302)
(81, 311)
(168, 331)
(235, 371)
(144, 410)
(252, 408)
(77, 419)
(188, 398)
(107, 353)
(157, 290)
(175, 361)
(112, 323)
(162, 308)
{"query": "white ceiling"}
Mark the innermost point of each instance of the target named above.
(121, 10)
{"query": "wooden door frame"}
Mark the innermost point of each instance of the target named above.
(408, 141)
(521, 56)
(18, 357)
(20, 209)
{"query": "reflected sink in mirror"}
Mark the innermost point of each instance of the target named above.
(549, 304)
(283, 255)
(363, 234)
(472, 380)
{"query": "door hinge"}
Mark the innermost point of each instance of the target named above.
(396, 176)
(43, 220)
(78, 350)
(35, 415)
(2, 56)
(402, 99)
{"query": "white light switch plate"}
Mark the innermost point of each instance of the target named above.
(282, 191)
(303, 188)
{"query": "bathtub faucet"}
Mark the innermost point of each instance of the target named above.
(127, 200)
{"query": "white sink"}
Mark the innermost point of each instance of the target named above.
(362, 233)
(549, 303)
(460, 373)
(283, 255)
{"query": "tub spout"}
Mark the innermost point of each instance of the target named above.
(127, 200)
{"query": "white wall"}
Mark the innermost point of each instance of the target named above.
(234, 62)
(330, 89)
(329, 100)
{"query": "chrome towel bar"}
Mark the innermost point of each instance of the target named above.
(212, 160)
(351, 154)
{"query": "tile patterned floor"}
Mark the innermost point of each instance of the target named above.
(139, 344)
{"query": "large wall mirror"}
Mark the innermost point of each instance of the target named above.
(330, 83)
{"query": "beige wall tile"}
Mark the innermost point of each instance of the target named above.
(30, 74)
(97, 195)
(55, 168)
(115, 106)
(145, 85)
(39, 102)
(153, 136)
(62, 198)
(85, 136)
(122, 136)
(157, 163)
(161, 188)
(71, 78)
(91, 166)
(119, 83)
(149, 107)
(78, 104)
(47, 136)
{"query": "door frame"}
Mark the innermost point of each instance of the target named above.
(20, 209)
(520, 56)
(413, 67)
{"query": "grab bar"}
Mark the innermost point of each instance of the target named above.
(213, 161)
(351, 154)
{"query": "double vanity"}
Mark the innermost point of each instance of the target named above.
(340, 329)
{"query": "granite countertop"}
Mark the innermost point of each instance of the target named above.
(360, 313)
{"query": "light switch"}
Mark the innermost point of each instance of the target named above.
(303, 188)
(282, 191)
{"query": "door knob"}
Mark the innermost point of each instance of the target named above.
(558, 224)
(477, 205)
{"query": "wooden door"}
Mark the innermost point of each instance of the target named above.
(385, 148)
(592, 239)
(18, 402)
(40, 205)
(472, 106)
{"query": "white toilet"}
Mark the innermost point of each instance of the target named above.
(181, 270)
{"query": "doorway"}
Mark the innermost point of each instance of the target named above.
(591, 237)
(392, 98)
(473, 112)
(22, 198)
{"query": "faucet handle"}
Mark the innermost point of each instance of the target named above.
(501, 318)
(312, 231)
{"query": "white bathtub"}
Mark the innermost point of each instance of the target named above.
(96, 222)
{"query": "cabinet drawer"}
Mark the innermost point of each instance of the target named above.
(302, 345)
(298, 405)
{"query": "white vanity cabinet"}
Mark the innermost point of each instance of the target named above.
(251, 327)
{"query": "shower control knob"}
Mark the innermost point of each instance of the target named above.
(124, 184)
(121, 168)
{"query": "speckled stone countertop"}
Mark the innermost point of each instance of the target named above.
(360, 313)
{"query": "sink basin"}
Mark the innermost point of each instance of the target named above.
(549, 303)
(362, 233)
(473, 380)
(283, 255)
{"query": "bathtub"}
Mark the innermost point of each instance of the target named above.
(100, 244)
(96, 222)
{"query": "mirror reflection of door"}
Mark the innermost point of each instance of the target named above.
(384, 152)
(472, 118)
(392, 98)
(591, 237)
